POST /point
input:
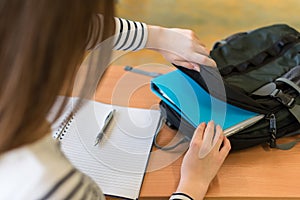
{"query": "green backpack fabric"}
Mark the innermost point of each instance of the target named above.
(260, 71)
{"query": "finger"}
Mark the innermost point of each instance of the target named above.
(194, 38)
(218, 133)
(196, 67)
(188, 65)
(198, 134)
(209, 133)
(185, 64)
(225, 148)
(200, 48)
(202, 60)
(220, 137)
(208, 138)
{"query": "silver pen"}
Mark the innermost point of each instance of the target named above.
(107, 121)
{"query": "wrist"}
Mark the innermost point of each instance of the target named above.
(181, 196)
(194, 189)
(154, 35)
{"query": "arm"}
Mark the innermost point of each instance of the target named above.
(178, 46)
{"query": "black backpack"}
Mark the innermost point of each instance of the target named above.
(260, 72)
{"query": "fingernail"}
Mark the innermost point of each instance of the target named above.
(214, 64)
(219, 127)
(197, 69)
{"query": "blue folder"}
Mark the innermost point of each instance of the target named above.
(194, 104)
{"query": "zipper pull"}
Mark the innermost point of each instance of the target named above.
(272, 130)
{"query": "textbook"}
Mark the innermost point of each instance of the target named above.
(118, 163)
(196, 105)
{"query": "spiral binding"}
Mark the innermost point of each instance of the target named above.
(63, 128)
(66, 123)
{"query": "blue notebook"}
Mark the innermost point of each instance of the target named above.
(195, 105)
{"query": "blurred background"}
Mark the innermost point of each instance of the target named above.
(211, 20)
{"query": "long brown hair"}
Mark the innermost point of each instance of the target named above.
(42, 43)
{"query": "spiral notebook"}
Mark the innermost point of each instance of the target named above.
(119, 162)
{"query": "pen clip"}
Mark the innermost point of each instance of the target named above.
(108, 117)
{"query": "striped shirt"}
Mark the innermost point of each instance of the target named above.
(129, 35)
(41, 171)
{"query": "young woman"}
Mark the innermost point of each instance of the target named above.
(42, 43)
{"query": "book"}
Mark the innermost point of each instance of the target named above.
(196, 105)
(118, 163)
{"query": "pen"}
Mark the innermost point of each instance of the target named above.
(139, 71)
(106, 123)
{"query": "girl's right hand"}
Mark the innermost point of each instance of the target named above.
(196, 173)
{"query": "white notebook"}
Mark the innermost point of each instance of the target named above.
(118, 163)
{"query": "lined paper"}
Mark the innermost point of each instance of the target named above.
(118, 163)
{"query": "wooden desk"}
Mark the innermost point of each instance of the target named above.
(254, 173)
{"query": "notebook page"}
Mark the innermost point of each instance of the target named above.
(117, 164)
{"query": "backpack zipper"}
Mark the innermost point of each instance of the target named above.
(272, 129)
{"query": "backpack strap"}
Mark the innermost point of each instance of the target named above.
(288, 100)
(284, 98)
(289, 145)
(290, 83)
(173, 120)
(265, 90)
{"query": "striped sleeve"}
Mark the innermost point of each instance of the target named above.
(129, 35)
(74, 185)
(180, 196)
